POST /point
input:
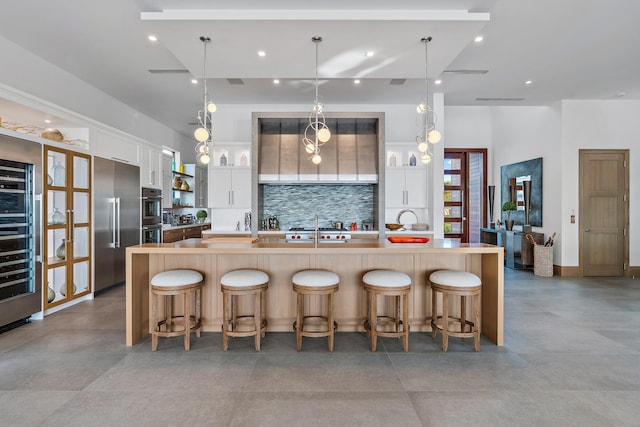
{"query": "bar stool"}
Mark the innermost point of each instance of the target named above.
(314, 282)
(455, 283)
(169, 284)
(239, 283)
(387, 283)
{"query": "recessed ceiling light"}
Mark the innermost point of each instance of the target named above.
(478, 39)
(620, 94)
(276, 81)
(194, 81)
(47, 121)
(152, 38)
(262, 53)
(438, 82)
(368, 53)
(356, 81)
(528, 82)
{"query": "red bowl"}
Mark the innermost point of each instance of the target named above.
(407, 239)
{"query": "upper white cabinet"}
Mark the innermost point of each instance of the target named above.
(150, 167)
(167, 182)
(230, 187)
(405, 178)
(230, 176)
(201, 179)
(112, 146)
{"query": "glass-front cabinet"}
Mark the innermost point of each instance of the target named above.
(67, 226)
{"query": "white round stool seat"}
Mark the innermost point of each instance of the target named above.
(315, 278)
(244, 278)
(455, 279)
(172, 278)
(386, 278)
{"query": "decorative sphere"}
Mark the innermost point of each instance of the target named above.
(422, 147)
(204, 159)
(324, 135)
(201, 134)
(421, 108)
(434, 136)
(211, 107)
(316, 159)
(310, 148)
(426, 158)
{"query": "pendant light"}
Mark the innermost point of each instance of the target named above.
(317, 132)
(427, 134)
(204, 133)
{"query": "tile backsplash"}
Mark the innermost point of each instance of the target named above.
(296, 205)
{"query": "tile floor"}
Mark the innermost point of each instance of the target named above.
(571, 358)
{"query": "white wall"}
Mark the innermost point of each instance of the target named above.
(33, 75)
(611, 124)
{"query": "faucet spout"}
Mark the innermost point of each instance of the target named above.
(315, 230)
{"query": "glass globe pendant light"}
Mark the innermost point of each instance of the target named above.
(427, 134)
(204, 133)
(317, 132)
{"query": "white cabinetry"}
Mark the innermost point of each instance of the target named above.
(150, 167)
(405, 178)
(406, 186)
(230, 187)
(167, 182)
(201, 183)
(115, 147)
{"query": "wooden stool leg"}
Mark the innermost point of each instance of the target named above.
(226, 303)
(434, 312)
(445, 321)
(463, 313)
(373, 320)
(397, 317)
(187, 321)
(154, 322)
(476, 321)
(367, 315)
(198, 310)
(330, 321)
(405, 321)
(299, 320)
(263, 308)
(257, 318)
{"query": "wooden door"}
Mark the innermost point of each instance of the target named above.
(604, 212)
(455, 190)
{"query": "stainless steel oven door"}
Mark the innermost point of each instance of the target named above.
(152, 233)
(151, 206)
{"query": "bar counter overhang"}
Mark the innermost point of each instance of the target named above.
(282, 260)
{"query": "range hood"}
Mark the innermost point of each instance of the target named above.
(349, 157)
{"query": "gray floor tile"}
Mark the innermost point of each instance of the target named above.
(325, 409)
(186, 371)
(323, 372)
(154, 407)
(31, 408)
(508, 408)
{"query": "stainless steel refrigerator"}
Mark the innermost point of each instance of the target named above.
(20, 229)
(117, 218)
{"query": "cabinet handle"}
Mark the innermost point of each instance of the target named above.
(69, 225)
(112, 201)
(153, 177)
(118, 219)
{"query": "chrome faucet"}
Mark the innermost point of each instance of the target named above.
(315, 230)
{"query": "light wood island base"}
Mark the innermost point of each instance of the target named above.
(282, 260)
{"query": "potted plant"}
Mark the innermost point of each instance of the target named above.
(201, 215)
(508, 207)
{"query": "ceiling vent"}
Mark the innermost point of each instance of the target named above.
(466, 71)
(397, 82)
(175, 71)
(235, 82)
(500, 99)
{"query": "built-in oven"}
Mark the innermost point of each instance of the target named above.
(152, 233)
(151, 206)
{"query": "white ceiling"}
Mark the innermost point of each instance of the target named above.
(570, 49)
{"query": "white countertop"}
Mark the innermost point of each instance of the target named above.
(175, 227)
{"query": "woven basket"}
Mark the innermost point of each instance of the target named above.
(543, 261)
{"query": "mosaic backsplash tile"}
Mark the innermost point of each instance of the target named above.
(296, 205)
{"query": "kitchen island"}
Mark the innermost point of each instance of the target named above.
(281, 260)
